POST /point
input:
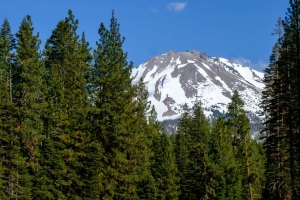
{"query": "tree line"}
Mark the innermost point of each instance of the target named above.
(73, 126)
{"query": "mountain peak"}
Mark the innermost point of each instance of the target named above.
(175, 78)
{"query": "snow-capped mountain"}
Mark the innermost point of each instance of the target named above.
(175, 78)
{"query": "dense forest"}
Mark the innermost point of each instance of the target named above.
(73, 126)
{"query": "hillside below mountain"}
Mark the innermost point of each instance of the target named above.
(175, 78)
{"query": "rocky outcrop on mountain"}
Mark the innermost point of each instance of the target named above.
(175, 78)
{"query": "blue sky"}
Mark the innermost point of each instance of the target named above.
(239, 30)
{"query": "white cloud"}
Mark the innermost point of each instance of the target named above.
(177, 6)
(260, 65)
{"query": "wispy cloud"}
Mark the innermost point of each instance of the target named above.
(177, 6)
(260, 65)
(153, 9)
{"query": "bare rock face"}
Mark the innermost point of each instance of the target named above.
(175, 78)
(169, 102)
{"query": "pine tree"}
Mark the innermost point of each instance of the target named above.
(201, 176)
(164, 169)
(182, 151)
(7, 50)
(239, 128)
(147, 130)
(163, 165)
(222, 154)
(275, 104)
(67, 62)
(289, 62)
(257, 168)
(249, 163)
(12, 160)
(281, 108)
(6, 105)
(27, 87)
(275, 131)
(115, 118)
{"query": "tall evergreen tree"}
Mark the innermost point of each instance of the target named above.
(289, 64)
(201, 176)
(239, 127)
(257, 163)
(115, 118)
(249, 162)
(28, 98)
(146, 132)
(281, 102)
(67, 62)
(11, 155)
(7, 51)
(163, 167)
(275, 143)
(181, 149)
(222, 155)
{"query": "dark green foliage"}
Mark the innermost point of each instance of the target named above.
(171, 125)
(196, 171)
(119, 118)
(28, 97)
(282, 110)
(65, 136)
(201, 126)
(222, 155)
(15, 178)
(201, 175)
(239, 129)
(257, 164)
(7, 108)
(147, 130)
(163, 167)
(274, 132)
(238, 160)
(181, 149)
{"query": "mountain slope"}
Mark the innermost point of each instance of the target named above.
(175, 78)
